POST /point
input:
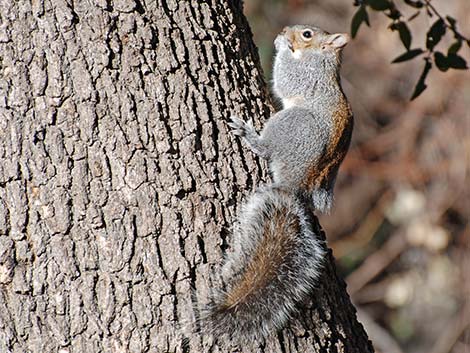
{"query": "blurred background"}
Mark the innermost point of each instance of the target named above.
(400, 227)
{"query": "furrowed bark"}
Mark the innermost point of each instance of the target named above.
(119, 179)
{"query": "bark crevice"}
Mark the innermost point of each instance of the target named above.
(120, 180)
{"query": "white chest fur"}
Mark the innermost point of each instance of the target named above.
(292, 102)
(297, 54)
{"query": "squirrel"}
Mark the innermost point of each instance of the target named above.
(276, 257)
(307, 140)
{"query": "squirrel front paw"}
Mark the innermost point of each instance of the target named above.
(239, 127)
(249, 135)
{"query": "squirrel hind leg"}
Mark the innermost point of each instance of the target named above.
(322, 200)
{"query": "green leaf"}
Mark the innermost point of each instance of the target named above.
(455, 47)
(393, 14)
(379, 5)
(435, 34)
(452, 21)
(441, 61)
(456, 62)
(405, 34)
(359, 17)
(421, 84)
(452, 61)
(408, 55)
(416, 4)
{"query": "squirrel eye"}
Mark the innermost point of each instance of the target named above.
(307, 34)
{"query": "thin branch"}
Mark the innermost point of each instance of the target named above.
(447, 23)
(453, 332)
(381, 338)
(376, 263)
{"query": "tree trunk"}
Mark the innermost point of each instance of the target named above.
(119, 179)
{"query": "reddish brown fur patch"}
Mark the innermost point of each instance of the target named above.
(275, 246)
(322, 171)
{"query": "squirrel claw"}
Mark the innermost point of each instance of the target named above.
(238, 126)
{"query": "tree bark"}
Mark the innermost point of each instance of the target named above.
(119, 179)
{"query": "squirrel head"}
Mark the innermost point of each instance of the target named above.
(303, 42)
(307, 57)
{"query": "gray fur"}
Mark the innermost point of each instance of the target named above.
(295, 138)
(271, 307)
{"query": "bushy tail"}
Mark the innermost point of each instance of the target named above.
(273, 266)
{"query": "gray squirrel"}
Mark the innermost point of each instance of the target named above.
(276, 257)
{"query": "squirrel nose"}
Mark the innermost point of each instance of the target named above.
(284, 30)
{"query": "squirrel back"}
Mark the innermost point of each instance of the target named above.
(273, 265)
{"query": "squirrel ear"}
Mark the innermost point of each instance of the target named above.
(337, 40)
